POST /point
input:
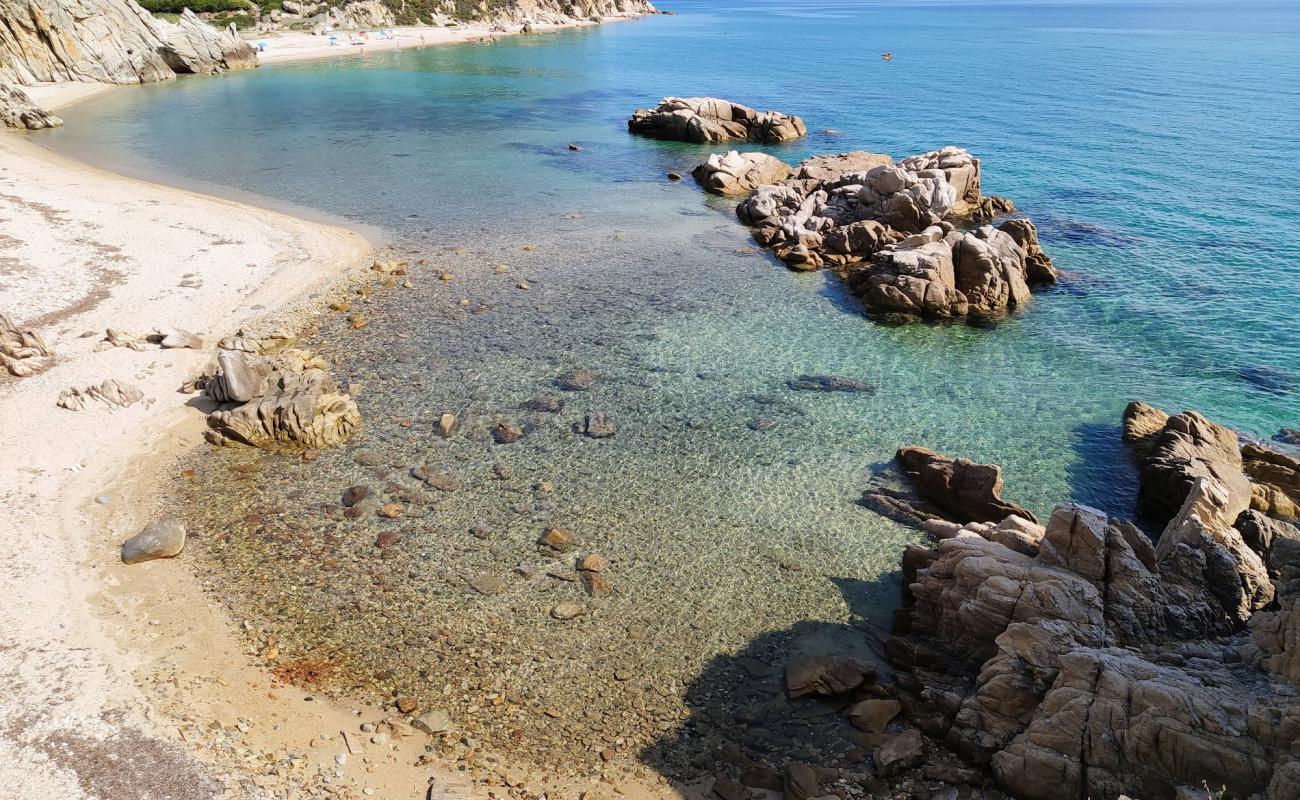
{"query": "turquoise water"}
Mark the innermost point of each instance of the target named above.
(1153, 144)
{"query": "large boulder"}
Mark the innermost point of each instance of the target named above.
(285, 402)
(736, 173)
(968, 491)
(1185, 448)
(192, 45)
(102, 41)
(710, 120)
(18, 111)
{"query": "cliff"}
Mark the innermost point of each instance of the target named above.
(102, 41)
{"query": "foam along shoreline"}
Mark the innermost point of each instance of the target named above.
(89, 641)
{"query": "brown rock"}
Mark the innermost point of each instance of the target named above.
(825, 675)
(874, 715)
(506, 433)
(800, 782)
(391, 510)
(557, 539)
(968, 491)
(901, 753)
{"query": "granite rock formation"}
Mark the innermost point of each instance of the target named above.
(736, 173)
(891, 231)
(1080, 659)
(276, 398)
(102, 41)
(709, 120)
(23, 353)
(18, 111)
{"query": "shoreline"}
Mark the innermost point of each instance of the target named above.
(89, 640)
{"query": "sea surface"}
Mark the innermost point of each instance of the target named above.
(1152, 143)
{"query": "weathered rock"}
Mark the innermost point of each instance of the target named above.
(825, 675)
(800, 782)
(557, 539)
(1103, 666)
(22, 352)
(1038, 266)
(567, 611)
(968, 491)
(110, 392)
(598, 425)
(889, 229)
(18, 111)
(1187, 447)
(708, 120)
(168, 338)
(192, 45)
(296, 403)
(1273, 471)
(100, 41)
(735, 174)
(507, 433)
(354, 495)
(900, 753)
(874, 715)
(162, 538)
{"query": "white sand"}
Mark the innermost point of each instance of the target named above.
(83, 250)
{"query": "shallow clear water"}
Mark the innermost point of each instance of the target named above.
(1152, 143)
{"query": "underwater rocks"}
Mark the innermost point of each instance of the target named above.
(891, 231)
(23, 353)
(830, 383)
(737, 174)
(709, 120)
(275, 402)
(1079, 659)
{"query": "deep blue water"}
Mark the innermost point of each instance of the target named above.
(1153, 143)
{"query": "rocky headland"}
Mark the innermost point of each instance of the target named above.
(102, 41)
(1086, 658)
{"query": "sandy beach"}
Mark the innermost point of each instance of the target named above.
(108, 669)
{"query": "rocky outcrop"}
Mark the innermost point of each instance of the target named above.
(709, 120)
(111, 393)
(18, 111)
(283, 400)
(967, 491)
(1081, 660)
(101, 41)
(890, 229)
(22, 352)
(1275, 478)
(736, 173)
(194, 46)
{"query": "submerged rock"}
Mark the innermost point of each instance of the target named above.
(709, 120)
(830, 383)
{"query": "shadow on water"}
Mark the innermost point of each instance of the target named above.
(743, 726)
(1102, 474)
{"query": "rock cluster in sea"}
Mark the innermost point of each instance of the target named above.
(1085, 659)
(909, 237)
(710, 120)
(274, 396)
(102, 41)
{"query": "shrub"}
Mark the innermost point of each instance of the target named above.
(197, 6)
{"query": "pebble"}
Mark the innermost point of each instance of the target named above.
(367, 458)
(358, 321)
(481, 530)
(598, 425)
(162, 538)
(567, 611)
(354, 495)
(760, 424)
(391, 510)
(593, 562)
(433, 721)
(674, 176)
(103, 499)
(446, 424)
(407, 705)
